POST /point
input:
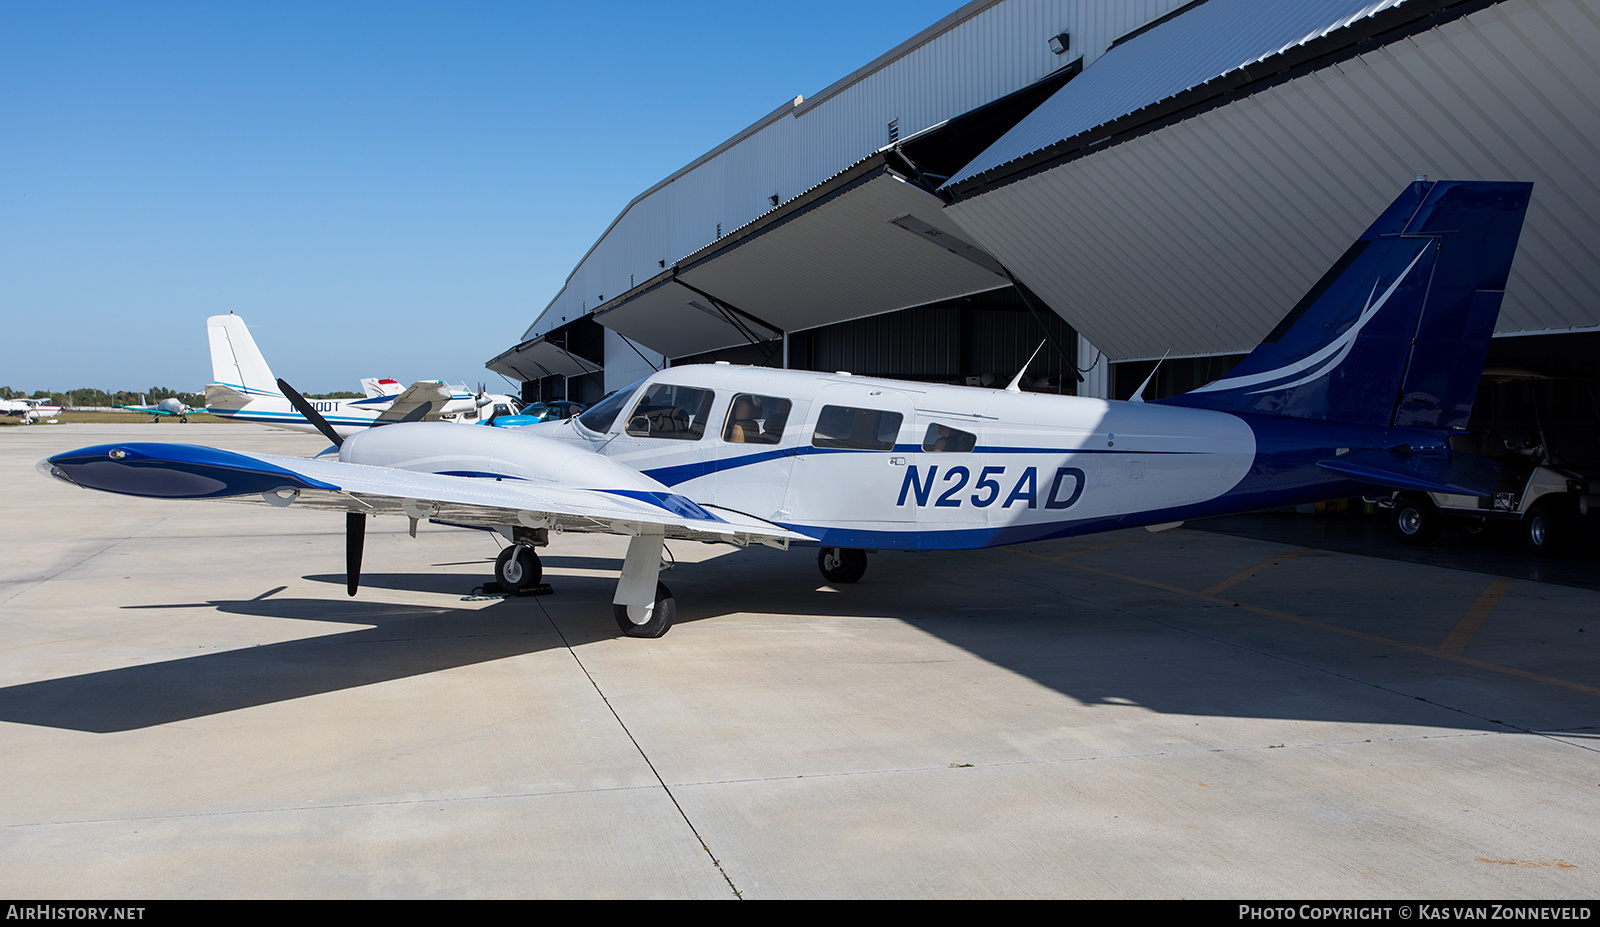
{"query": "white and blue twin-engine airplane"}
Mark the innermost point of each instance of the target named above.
(1358, 389)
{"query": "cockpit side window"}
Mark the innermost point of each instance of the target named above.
(674, 412)
(947, 440)
(856, 429)
(756, 419)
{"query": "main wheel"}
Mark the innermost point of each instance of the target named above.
(1541, 529)
(648, 620)
(842, 564)
(518, 568)
(1415, 519)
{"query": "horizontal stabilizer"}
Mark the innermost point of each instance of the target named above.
(1452, 472)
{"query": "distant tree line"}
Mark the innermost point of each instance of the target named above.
(78, 398)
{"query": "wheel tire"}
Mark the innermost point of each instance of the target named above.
(518, 568)
(1541, 530)
(656, 623)
(842, 564)
(1415, 519)
(1474, 529)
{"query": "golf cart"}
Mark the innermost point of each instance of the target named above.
(1544, 432)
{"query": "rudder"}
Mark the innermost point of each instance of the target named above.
(236, 362)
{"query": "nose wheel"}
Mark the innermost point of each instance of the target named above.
(518, 569)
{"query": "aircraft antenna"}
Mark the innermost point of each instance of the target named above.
(1015, 386)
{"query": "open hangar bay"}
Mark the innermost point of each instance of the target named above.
(191, 706)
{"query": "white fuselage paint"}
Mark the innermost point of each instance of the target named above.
(1036, 460)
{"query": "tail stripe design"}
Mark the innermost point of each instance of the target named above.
(1395, 334)
(1340, 346)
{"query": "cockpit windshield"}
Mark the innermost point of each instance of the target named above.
(599, 418)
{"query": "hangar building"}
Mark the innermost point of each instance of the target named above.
(1117, 180)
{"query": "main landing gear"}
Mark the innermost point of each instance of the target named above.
(643, 605)
(842, 564)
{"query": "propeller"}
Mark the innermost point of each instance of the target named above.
(415, 415)
(355, 536)
(355, 523)
(312, 415)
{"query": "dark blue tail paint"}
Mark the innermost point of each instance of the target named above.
(1395, 334)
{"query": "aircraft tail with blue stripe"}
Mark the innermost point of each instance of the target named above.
(236, 362)
(1395, 334)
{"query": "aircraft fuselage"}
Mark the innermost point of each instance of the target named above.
(959, 467)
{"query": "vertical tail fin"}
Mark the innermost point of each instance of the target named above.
(1396, 332)
(236, 362)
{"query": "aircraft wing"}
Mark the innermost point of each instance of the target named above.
(190, 471)
(148, 410)
(415, 395)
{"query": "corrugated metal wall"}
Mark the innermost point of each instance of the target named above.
(984, 51)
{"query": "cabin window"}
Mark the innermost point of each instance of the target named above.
(856, 429)
(675, 412)
(944, 439)
(599, 418)
(756, 419)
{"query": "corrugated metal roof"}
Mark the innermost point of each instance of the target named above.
(671, 319)
(537, 358)
(877, 245)
(1214, 39)
(1197, 237)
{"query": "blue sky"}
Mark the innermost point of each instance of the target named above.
(379, 189)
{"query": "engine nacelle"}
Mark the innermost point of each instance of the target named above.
(489, 453)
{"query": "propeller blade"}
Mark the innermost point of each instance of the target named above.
(312, 415)
(419, 413)
(415, 415)
(355, 536)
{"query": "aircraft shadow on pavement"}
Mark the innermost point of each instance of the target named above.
(1188, 661)
(459, 583)
(1167, 653)
(401, 641)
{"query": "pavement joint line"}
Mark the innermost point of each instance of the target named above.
(1528, 675)
(25, 586)
(716, 863)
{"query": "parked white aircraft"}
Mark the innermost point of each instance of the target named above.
(1361, 386)
(32, 411)
(245, 390)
